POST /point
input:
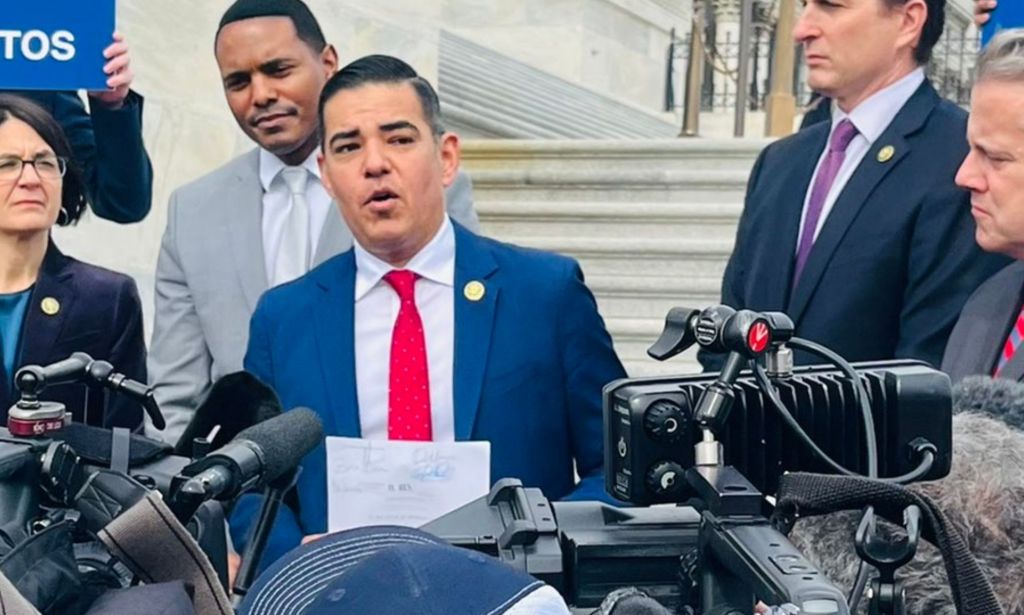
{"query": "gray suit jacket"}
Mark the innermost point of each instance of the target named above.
(210, 274)
(985, 321)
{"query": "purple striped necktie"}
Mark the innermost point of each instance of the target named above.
(841, 137)
(1012, 344)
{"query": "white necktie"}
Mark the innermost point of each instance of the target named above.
(293, 249)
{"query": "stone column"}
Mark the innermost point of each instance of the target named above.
(781, 106)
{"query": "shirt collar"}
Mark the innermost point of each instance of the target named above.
(874, 115)
(271, 167)
(435, 262)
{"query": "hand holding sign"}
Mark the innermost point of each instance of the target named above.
(982, 8)
(119, 73)
(59, 45)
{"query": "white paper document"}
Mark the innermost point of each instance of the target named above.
(395, 482)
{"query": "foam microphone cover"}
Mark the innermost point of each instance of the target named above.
(996, 397)
(235, 402)
(284, 440)
(631, 601)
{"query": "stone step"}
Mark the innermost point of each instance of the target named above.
(683, 364)
(581, 247)
(653, 154)
(612, 185)
(480, 82)
(653, 288)
(600, 211)
(614, 264)
(611, 229)
(644, 297)
(642, 307)
(609, 219)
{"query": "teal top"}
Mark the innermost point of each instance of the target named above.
(12, 314)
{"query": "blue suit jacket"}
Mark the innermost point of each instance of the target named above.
(100, 314)
(895, 259)
(530, 358)
(108, 148)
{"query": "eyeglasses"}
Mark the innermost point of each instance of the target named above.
(47, 167)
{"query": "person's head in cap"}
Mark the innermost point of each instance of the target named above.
(389, 569)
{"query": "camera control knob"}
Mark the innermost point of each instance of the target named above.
(665, 421)
(666, 479)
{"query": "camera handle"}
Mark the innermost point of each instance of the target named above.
(888, 597)
(742, 556)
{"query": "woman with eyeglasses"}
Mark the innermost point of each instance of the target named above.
(52, 305)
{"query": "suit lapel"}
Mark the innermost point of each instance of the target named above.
(474, 325)
(786, 221)
(244, 196)
(858, 190)
(335, 237)
(335, 340)
(54, 282)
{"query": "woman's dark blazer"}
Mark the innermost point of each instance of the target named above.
(99, 313)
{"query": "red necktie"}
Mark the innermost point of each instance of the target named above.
(409, 381)
(1012, 344)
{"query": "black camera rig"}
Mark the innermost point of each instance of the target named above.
(672, 441)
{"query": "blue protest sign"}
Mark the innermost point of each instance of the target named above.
(55, 44)
(1008, 14)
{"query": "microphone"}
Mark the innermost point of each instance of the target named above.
(236, 401)
(257, 456)
(996, 397)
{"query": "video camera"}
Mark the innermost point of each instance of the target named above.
(79, 479)
(709, 549)
(719, 443)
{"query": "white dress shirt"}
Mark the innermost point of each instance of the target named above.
(870, 118)
(375, 314)
(277, 202)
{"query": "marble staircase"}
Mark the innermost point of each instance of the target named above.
(652, 222)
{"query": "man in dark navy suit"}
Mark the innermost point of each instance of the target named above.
(854, 227)
(424, 330)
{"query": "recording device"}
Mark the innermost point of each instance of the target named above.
(655, 427)
(32, 417)
(650, 427)
(257, 456)
(696, 440)
(88, 476)
(586, 550)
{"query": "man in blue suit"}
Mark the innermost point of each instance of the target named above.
(424, 330)
(854, 227)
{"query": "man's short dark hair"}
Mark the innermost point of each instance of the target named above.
(306, 25)
(383, 69)
(932, 30)
(73, 202)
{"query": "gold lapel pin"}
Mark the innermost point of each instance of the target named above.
(474, 291)
(886, 153)
(50, 306)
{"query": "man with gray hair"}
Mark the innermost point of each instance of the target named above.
(987, 338)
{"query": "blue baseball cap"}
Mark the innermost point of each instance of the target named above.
(382, 570)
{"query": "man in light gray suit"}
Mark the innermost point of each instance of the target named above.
(987, 340)
(262, 219)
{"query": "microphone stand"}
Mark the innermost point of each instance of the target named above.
(259, 534)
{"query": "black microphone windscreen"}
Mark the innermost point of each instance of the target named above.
(996, 397)
(284, 440)
(235, 402)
